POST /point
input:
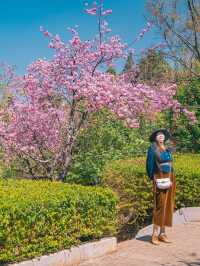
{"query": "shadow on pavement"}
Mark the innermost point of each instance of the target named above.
(194, 263)
(145, 238)
(184, 262)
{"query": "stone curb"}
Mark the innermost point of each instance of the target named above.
(180, 216)
(75, 255)
(191, 214)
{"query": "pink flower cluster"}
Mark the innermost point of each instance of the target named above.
(32, 122)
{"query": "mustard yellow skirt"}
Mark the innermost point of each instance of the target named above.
(164, 202)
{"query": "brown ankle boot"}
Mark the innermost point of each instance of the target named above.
(154, 240)
(163, 238)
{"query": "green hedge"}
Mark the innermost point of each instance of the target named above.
(187, 171)
(41, 217)
(129, 180)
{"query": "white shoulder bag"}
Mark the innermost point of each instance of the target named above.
(163, 183)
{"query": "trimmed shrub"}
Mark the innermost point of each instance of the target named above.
(42, 217)
(135, 190)
(128, 179)
(187, 171)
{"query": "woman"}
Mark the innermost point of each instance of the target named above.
(159, 165)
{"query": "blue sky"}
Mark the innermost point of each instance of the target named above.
(22, 42)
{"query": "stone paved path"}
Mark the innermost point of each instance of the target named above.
(185, 250)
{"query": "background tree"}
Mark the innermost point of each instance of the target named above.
(105, 139)
(129, 65)
(188, 136)
(7, 75)
(112, 71)
(179, 25)
(153, 67)
(130, 69)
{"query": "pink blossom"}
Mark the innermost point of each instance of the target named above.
(91, 11)
(107, 12)
(149, 24)
(51, 45)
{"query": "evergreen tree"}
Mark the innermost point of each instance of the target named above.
(129, 65)
(111, 70)
(154, 68)
(130, 69)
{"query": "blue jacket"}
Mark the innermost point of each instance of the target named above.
(151, 166)
(150, 162)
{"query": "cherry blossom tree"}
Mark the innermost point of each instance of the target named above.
(53, 101)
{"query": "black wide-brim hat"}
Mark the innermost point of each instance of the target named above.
(163, 130)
